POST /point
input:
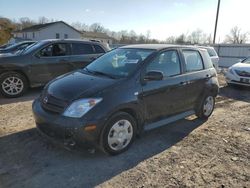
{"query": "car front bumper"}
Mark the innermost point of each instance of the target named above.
(65, 129)
(235, 79)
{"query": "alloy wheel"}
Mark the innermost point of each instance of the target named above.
(12, 85)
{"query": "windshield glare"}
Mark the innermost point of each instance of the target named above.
(120, 62)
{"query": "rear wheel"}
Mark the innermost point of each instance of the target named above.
(118, 134)
(12, 84)
(206, 107)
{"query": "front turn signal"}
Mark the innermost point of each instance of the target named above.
(90, 128)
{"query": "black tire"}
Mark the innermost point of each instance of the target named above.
(201, 113)
(17, 75)
(107, 131)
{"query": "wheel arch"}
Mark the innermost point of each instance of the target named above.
(137, 117)
(129, 110)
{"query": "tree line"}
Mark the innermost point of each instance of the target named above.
(235, 35)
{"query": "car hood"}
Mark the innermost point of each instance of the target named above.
(241, 67)
(77, 85)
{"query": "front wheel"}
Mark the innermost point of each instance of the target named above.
(206, 107)
(12, 84)
(118, 133)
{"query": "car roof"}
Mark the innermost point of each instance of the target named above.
(206, 47)
(72, 40)
(158, 46)
(27, 41)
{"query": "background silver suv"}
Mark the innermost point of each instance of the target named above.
(213, 55)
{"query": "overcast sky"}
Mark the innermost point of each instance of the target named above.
(162, 17)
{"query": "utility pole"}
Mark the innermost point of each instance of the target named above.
(216, 21)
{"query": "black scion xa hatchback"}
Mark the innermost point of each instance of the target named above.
(126, 91)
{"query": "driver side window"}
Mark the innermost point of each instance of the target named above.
(53, 50)
(166, 62)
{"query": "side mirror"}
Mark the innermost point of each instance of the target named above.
(153, 75)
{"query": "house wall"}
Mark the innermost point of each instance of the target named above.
(50, 33)
(61, 29)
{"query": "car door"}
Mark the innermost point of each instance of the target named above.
(164, 97)
(49, 62)
(196, 75)
(82, 54)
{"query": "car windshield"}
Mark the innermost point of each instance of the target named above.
(13, 46)
(33, 47)
(20, 51)
(118, 63)
(247, 60)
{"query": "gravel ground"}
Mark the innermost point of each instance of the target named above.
(188, 153)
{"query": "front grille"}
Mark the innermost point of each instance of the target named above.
(53, 104)
(243, 73)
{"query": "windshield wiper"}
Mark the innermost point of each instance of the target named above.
(86, 69)
(99, 73)
(103, 74)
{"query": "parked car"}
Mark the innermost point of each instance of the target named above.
(15, 47)
(126, 91)
(43, 61)
(4, 46)
(239, 73)
(213, 55)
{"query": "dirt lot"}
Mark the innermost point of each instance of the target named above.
(189, 153)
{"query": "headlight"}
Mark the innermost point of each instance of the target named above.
(80, 107)
(231, 70)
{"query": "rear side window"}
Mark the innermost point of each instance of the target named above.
(82, 49)
(207, 60)
(211, 52)
(166, 62)
(98, 49)
(193, 60)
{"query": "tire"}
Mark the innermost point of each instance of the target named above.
(118, 133)
(13, 84)
(206, 107)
